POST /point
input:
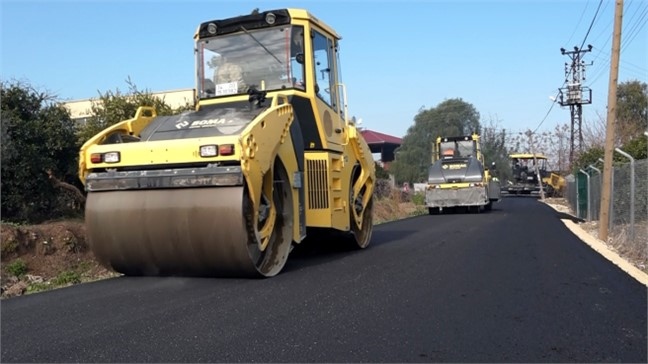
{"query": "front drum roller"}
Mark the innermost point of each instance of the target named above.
(192, 231)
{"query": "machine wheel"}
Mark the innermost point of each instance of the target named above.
(269, 261)
(549, 191)
(488, 206)
(361, 235)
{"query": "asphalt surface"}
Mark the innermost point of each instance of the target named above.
(512, 285)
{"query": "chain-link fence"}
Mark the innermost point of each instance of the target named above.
(628, 216)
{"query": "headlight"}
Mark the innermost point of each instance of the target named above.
(208, 151)
(270, 18)
(111, 157)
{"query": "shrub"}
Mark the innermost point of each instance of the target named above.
(67, 277)
(17, 268)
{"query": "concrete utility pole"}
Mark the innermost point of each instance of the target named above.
(535, 164)
(604, 218)
(574, 96)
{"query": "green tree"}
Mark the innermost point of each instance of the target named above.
(38, 142)
(453, 117)
(493, 144)
(636, 148)
(632, 121)
(632, 110)
(588, 157)
(380, 171)
(113, 107)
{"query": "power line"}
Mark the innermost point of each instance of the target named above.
(591, 24)
(607, 29)
(634, 26)
(635, 29)
(577, 24)
(550, 108)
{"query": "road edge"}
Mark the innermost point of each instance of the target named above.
(600, 247)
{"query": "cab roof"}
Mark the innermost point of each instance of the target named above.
(257, 20)
(457, 138)
(526, 156)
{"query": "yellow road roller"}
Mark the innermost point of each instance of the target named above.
(459, 177)
(268, 156)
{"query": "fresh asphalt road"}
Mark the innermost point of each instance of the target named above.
(512, 285)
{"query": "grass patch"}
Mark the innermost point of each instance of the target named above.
(17, 268)
(38, 287)
(67, 277)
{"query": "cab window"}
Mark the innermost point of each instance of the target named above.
(323, 64)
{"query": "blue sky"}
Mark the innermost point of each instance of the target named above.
(503, 57)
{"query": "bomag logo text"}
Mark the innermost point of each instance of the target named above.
(455, 166)
(209, 122)
(203, 123)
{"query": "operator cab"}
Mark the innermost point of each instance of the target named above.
(462, 147)
(288, 51)
(265, 59)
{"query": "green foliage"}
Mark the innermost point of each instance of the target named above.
(418, 198)
(493, 144)
(39, 287)
(380, 172)
(37, 136)
(67, 277)
(636, 147)
(632, 110)
(17, 268)
(451, 117)
(588, 157)
(113, 107)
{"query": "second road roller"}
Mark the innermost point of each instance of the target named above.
(268, 156)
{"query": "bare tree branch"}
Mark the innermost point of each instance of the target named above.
(57, 183)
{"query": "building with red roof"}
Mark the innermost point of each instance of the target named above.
(383, 144)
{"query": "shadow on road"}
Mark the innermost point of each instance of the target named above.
(564, 215)
(320, 247)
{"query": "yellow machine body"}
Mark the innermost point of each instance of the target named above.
(268, 155)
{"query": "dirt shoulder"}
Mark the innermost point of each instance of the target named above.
(45, 256)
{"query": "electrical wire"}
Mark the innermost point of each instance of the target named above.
(591, 24)
(598, 8)
(577, 24)
(548, 111)
(634, 29)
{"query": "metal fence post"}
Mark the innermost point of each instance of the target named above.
(599, 188)
(632, 190)
(589, 202)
